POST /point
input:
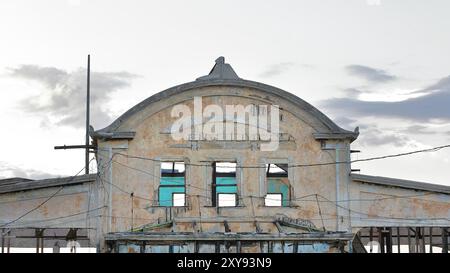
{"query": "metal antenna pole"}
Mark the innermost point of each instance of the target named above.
(87, 115)
(86, 146)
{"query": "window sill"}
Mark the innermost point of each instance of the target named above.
(240, 206)
(280, 207)
(148, 207)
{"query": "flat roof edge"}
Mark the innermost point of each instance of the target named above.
(47, 183)
(401, 183)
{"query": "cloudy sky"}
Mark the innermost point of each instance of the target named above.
(381, 65)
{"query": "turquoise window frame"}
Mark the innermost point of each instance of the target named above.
(275, 185)
(223, 182)
(170, 183)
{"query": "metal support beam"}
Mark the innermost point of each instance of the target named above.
(388, 233)
(277, 224)
(217, 247)
(68, 147)
(196, 247)
(39, 234)
(444, 240)
(410, 246)
(227, 227)
(261, 247)
(295, 247)
(381, 240)
(8, 244)
(417, 240)
(3, 240)
(422, 241)
(56, 247)
(72, 234)
(217, 236)
(431, 239)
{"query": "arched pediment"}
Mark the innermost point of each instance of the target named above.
(222, 75)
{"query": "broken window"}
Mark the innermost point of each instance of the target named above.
(172, 187)
(226, 199)
(277, 185)
(274, 199)
(224, 187)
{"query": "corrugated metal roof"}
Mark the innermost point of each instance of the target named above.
(13, 180)
(401, 183)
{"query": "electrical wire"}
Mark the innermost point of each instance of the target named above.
(372, 216)
(350, 211)
(379, 216)
(25, 224)
(252, 196)
(387, 221)
(46, 200)
(298, 165)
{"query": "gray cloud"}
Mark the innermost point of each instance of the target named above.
(370, 74)
(432, 105)
(9, 171)
(276, 69)
(373, 136)
(353, 92)
(418, 129)
(442, 84)
(373, 139)
(345, 122)
(65, 97)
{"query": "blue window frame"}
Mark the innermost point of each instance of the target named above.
(277, 184)
(172, 185)
(224, 184)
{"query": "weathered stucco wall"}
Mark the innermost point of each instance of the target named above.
(152, 140)
(321, 194)
(383, 206)
(67, 209)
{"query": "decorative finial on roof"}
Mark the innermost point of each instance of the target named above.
(221, 70)
(220, 60)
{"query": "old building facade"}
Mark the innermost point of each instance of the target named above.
(289, 188)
